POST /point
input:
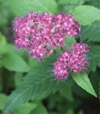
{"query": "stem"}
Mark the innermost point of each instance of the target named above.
(78, 39)
(62, 49)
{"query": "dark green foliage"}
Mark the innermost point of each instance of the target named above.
(36, 83)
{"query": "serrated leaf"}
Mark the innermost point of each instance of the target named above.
(86, 14)
(36, 83)
(66, 5)
(14, 62)
(83, 81)
(25, 108)
(21, 7)
(94, 57)
(3, 99)
(91, 33)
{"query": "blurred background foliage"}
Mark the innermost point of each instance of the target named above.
(15, 64)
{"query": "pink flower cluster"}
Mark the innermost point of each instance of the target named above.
(74, 60)
(40, 34)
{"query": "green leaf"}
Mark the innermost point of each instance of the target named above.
(17, 78)
(70, 111)
(94, 57)
(95, 80)
(86, 14)
(73, 2)
(3, 99)
(95, 3)
(6, 49)
(25, 108)
(83, 81)
(68, 1)
(23, 53)
(2, 40)
(36, 83)
(14, 62)
(67, 93)
(77, 90)
(21, 7)
(66, 5)
(5, 15)
(1, 62)
(42, 5)
(33, 63)
(40, 108)
(91, 33)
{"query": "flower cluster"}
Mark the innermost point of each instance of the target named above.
(40, 34)
(60, 67)
(74, 60)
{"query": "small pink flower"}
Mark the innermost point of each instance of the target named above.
(80, 48)
(22, 43)
(60, 71)
(67, 24)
